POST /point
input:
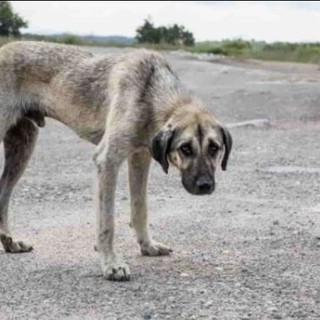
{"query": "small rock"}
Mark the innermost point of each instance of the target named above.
(255, 123)
(208, 304)
(275, 222)
(147, 314)
(184, 275)
(272, 310)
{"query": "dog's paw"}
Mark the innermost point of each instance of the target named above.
(11, 246)
(155, 249)
(116, 271)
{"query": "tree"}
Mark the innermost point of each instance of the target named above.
(188, 38)
(10, 22)
(147, 33)
(175, 35)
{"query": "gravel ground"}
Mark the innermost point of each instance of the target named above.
(249, 251)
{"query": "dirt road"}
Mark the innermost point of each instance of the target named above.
(250, 251)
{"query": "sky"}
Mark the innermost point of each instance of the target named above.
(293, 21)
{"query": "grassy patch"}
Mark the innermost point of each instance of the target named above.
(278, 51)
(69, 39)
(5, 40)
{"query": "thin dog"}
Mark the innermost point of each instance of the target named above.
(132, 106)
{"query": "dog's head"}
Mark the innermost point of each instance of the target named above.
(195, 143)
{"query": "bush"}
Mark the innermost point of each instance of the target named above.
(71, 39)
(218, 50)
(236, 45)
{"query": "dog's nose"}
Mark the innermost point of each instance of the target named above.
(205, 185)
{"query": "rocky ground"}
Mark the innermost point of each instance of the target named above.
(249, 251)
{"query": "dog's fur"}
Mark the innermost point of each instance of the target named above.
(131, 106)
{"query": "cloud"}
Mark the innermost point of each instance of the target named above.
(269, 21)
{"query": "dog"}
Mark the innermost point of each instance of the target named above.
(131, 106)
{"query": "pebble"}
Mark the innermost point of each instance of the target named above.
(147, 314)
(255, 123)
(219, 269)
(208, 304)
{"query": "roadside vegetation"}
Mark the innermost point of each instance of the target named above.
(278, 51)
(173, 37)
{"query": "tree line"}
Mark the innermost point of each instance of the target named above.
(175, 34)
(11, 23)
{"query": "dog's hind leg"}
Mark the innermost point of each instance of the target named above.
(19, 142)
(139, 164)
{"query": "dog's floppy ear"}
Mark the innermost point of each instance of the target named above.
(227, 141)
(160, 147)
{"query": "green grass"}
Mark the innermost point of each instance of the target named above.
(71, 39)
(5, 40)
(65, 39)
(278, 51)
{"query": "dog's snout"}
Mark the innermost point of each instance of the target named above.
(205, 185)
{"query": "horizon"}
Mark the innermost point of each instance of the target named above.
(220, 20)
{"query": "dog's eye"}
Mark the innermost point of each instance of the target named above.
(186, 150)
(213, 149)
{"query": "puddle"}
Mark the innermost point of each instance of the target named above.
(292, 169)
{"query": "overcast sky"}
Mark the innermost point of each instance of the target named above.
(208, 20)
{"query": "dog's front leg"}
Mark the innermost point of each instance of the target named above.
(139, 164)
(107, 167)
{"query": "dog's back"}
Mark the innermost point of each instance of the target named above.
(71, 85)
(40, 54)
(26, 61)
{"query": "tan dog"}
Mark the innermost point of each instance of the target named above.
(131, 106)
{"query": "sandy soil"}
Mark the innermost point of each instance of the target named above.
(250, 251)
